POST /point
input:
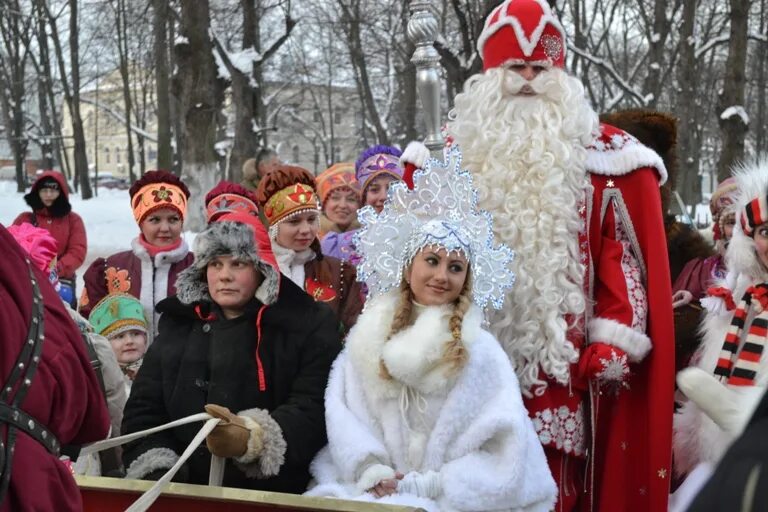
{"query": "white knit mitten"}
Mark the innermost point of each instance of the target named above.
(730, 407)
(423, 485)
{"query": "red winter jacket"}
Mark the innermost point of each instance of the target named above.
(67, 228)
(64, 395)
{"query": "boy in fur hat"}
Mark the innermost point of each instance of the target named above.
(230, 341)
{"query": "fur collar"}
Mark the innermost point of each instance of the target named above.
(161, 258)
(616, 153)
(410, 354)
(291, 263)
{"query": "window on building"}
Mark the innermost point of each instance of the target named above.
(117, 155)
(337, 154)
(337, 117)
(316, 116)
(106, 155)
(152, 154)
(296, 154)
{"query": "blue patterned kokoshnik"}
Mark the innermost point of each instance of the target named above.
(441, 211)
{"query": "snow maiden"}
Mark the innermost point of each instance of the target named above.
(423, 407)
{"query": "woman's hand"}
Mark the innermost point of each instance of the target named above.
(386, 487)
(681, 298)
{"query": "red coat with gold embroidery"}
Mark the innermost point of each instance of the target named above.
(341, 292)
(627, 428)
(148, 279)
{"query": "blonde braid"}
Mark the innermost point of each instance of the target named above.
(400, 321)
(454, 351)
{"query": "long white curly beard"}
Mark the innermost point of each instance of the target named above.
(527, 155)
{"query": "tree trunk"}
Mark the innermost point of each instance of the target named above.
(733, 127)
(200, 98)
(160, 30)
(352, 23)
(72, 94)
(761, 124)
(689, 182)
(122, 51)
(244, 98)
(656, 53)
(47, 83)
(14, 35)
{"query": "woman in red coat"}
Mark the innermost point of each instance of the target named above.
(49, 200)
(148, 271)
(61, 397)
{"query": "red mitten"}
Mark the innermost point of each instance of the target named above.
(604, 362)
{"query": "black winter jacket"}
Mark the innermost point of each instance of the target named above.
(194, 362)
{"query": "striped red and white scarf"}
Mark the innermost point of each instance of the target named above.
(742, 370)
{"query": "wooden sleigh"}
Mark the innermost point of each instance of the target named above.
(101, 494)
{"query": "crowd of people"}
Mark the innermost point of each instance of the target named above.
(490, 330)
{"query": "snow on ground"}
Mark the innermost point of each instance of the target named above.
(108, 220)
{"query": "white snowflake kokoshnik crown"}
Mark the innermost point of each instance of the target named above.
(440, 211)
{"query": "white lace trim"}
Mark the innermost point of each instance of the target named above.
(561, 428)
(633, 276)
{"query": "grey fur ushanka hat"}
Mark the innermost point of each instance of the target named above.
(230, 237)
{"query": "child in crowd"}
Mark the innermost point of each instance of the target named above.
(120, 318)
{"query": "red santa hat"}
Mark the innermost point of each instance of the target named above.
(522, 31)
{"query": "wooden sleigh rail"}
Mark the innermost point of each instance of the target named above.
(101, 494)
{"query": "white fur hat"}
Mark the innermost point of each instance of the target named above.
(752, 180)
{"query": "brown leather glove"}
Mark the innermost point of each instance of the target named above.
(231, 435)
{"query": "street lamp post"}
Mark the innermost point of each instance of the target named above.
(422, 30)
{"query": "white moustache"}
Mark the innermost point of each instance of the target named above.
(544, 84)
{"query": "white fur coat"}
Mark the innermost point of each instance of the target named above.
(698, 439)
(476, 450)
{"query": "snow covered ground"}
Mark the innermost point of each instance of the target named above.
(108, 220)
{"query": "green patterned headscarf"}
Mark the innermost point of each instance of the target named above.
(117, 313)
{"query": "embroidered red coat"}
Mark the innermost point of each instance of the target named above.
(148, 279)
(627, 430)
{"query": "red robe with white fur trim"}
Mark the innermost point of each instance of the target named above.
(627, 427)
(629, 284)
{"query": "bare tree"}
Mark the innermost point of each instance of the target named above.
(200, 92)
(160, 48)
(688, 155)
(120, 12)
(353, 19)
(15, 36)
(733, 119)
(71, 92)
(761, 123)
(246, 74)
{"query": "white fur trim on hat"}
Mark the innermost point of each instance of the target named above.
(415, 153)
(504, 19)
(634, 343)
